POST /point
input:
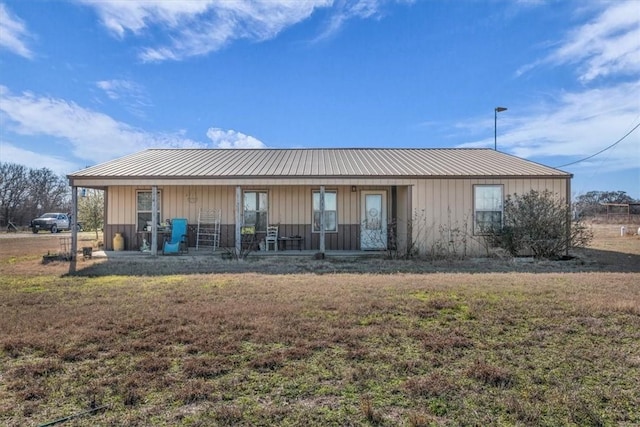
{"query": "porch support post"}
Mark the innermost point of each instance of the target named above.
(74, 229)
(238, 220)
(569, 219)
(322, 219)
(393, 244)
(410, 219)
(154, 220)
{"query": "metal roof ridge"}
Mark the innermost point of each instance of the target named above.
(321, 149)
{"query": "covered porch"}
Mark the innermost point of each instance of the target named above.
(344, 217)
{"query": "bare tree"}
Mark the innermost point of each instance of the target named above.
(47, 191)
(14, 187)
(26, 193)
(91, 210)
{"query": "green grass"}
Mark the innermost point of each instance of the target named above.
(343, 349)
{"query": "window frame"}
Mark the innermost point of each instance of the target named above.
(139, 225)
(477, 231)
(264, 211)
(314, 210)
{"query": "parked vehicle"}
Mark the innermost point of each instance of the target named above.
(53, 222)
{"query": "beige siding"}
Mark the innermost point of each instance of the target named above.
(435, 205)
(444, 205)
(176, 202)
(287, 204)
(121, 205)
(403, 215)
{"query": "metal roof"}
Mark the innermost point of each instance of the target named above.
(309, 163)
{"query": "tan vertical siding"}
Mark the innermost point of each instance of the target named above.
(432, 204)
(286, 204)
(186, 202)
(121, 206)
(445, 204)
(176, 202)
(403, 213)
(172, 205)
(276, 205)
(346, 214)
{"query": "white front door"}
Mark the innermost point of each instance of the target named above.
(373, 220)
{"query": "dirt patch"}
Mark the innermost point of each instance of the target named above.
(23, 253)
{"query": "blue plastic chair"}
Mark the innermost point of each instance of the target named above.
(178, 241)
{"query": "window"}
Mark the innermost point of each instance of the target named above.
(255, 209)
(330, 211)
(144, 210)
(487, 202)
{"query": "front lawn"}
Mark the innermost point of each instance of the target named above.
(334, 349)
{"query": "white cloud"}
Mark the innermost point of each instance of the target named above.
(130, 93)
(116, 88)
(231, 139)
(89, 135)
(58, 164)
(607, 45)
(136, 15)
(195, 28)
(344, 10)
(605, 53)
(576, 124)
(13, 34)
(199, 27)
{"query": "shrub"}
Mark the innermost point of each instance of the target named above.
(540, 224)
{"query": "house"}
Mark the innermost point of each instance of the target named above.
(370, 199)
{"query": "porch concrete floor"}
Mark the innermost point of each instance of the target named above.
(221, 252)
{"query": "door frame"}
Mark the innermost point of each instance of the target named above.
(376, 239)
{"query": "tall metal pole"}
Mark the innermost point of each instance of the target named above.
(495, 125)
(495, 129)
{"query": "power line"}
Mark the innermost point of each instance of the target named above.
(604, 149)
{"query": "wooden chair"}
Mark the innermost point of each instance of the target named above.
(271, 238)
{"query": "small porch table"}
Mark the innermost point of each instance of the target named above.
(283, 241)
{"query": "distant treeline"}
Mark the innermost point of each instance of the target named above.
(593, 203)
(26, 193)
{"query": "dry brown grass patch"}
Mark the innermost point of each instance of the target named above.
(489, 374)
(435, 384)
(333, 349)
(206, 367)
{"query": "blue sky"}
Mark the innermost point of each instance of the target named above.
(83, 82)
